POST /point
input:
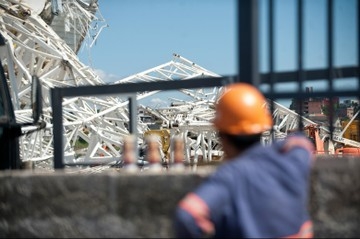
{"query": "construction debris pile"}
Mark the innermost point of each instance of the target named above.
(43, 38)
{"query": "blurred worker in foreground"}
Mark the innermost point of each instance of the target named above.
(259, 191)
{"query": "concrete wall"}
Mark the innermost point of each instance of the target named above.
(112, 204)
(335, 198)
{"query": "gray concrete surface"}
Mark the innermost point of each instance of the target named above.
(115, 204)
(335, 198)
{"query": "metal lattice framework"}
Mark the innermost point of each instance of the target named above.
(34, 45)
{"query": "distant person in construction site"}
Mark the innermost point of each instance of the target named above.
(259, 191)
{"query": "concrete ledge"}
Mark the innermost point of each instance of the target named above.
(114, 204)
(335, 198)
(108, 204)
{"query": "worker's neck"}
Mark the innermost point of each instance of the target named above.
(230, 150)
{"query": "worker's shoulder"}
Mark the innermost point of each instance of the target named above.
(250, 158)
(275, 153)
(243, 167)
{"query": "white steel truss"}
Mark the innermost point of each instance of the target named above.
(34, 45)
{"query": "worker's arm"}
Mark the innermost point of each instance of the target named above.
(297, 141)
(193, 218)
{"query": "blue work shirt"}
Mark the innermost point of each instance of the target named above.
(263, 193)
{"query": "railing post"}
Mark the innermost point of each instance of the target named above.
(133, 122)
(58, 134)
(248, 63)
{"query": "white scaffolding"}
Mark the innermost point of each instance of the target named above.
(36, 45)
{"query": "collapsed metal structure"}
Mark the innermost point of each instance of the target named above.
(42, 38)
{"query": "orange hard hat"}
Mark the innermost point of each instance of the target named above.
(241, 110)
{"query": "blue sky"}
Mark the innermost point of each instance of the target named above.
(143, 34)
